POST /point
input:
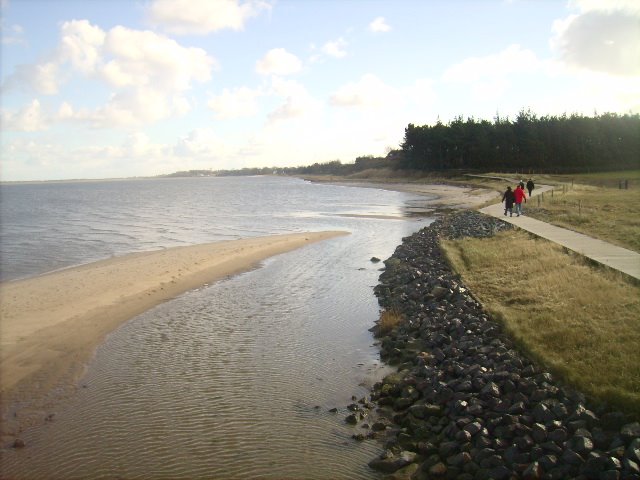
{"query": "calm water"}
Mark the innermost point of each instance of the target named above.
(236, 379)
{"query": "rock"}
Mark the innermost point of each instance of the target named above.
(572, 458)
(609, 475)
(439, 292)
(438, 470)
(352, 419)
(500, 473)
(581, 445)
(613, 421)
(459, 459)
(464, 398)
(375, 259)
(630, 467)
(633, 452)
(630, 431)
(18, 443)
(532, 472)
(391, 463)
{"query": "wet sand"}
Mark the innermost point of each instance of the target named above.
(50, 325)
(446, 196)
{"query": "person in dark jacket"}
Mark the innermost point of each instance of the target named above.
(508, 198)
(530, 186)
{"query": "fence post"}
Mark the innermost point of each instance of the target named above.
(580, 207)
(626, 184)
(552, 193)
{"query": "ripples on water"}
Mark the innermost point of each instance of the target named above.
(236, 380)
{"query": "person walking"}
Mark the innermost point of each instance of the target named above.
(519, 195)
(530, 186)
(508, 198)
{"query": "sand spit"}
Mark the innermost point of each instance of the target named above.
(50, 325)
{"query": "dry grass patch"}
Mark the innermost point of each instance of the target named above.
(582, 322)
(389, 319)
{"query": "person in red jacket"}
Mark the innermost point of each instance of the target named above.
(520, 196)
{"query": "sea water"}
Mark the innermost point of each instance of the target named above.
(233, 380)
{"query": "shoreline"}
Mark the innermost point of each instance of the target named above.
(447, 196)
(52, 323)
(465, 401)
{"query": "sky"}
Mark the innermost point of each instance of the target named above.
(124, 88)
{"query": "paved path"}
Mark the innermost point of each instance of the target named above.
(605, 253)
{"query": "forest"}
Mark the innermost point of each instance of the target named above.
(529, 143)
(548, 144)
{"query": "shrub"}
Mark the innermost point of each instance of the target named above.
(389, 319)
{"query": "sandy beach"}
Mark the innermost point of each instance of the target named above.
(50, 325)
(446, 196)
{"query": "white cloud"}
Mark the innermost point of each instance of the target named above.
(298, 102)
(12, 35)
(490, 76)
(513, 59)
(588, 92)
(600, 40)
(379, 25)
(235, 103)
(81, 44)
(148, 73)
(146, 59)
(202, 142)
(631, 6)
(43, 78)
(137, 144)
(278, 62)
(26, 159)
(203, 16)
(30, 118)
(369, 91)
(336, 48)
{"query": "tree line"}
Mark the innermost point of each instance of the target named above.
(552, 144)
(529, 143)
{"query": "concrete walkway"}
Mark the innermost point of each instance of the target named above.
(605, 253)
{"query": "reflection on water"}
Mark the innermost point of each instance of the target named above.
(48, 226)
(234, 380)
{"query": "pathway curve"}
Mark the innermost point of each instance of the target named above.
(602, 252)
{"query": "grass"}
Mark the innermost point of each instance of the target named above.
(389, 319)
(581, 322)
(610, 214)
(589, 203)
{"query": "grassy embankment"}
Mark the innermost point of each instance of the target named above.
(579, 320)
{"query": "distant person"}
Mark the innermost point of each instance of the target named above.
(521, 184)
(508, 198)
(520, 195)
(530, 186)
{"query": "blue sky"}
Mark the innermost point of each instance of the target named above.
(114, 88)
